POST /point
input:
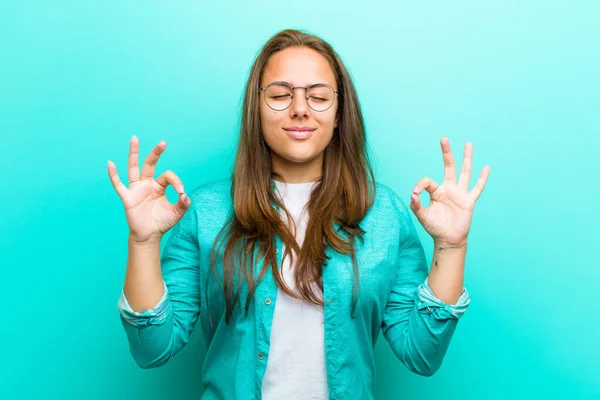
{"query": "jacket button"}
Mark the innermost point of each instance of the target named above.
(276, 251)
(267, 301)
(261, 356)
(428, 309)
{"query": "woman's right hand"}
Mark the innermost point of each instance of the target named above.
(148, 211)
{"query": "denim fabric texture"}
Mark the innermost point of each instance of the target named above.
(394, 298)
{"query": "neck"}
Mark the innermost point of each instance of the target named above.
(298, 172)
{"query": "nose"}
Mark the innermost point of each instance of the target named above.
(299, 105)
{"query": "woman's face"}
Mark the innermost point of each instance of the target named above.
(296, 158)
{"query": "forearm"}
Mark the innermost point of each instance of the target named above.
(143, 285)
(446, 279)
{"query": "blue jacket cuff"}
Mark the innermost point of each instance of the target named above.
(154, 316)
(430, 304)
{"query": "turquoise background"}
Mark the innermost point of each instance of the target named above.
(517, 79)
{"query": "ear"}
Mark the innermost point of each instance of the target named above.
(335, 124)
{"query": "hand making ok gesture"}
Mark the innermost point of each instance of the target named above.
(148, 211)
(448, 217)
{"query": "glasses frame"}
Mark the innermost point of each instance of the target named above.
(293, 88)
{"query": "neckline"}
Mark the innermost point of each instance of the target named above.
(295, 184)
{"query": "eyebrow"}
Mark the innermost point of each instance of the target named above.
(289, 83)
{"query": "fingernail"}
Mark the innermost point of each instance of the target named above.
(415, 189)
(185, 198)
(180, 188)
(412, 199)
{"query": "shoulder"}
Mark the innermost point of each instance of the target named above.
(390, 211)
(387, 199)
(394, 213)
(211, 204)
(214, 194)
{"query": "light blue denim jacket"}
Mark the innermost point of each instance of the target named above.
(394, 297)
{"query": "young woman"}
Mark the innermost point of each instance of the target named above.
(295, 264)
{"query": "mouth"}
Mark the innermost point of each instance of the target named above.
(299, 133)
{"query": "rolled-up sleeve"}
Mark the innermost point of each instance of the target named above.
(429, 303)
(157, 334)
(154, 316)
(417, 325)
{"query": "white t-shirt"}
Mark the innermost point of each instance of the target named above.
(296, 363)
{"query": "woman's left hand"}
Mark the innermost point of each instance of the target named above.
(448, 217)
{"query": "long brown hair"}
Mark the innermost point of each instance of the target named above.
(343, 195)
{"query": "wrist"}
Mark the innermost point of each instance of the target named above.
(149, 242)
(450, 243)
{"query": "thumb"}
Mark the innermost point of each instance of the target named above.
(417, 207)
(183, 203)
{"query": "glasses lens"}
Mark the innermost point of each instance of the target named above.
(320, 97)
(278, 97)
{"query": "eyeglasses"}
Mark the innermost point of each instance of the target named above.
(279, 95)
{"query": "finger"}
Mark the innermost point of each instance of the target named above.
(183, 203)
(476, 192)
(449, 164)
(465, 172)
(425, 184)
(134, 150)
(150, 162)
(169, 178)
(114, 179)
(417, 207)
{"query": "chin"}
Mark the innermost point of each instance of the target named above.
(298, 160)
(299, 157)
